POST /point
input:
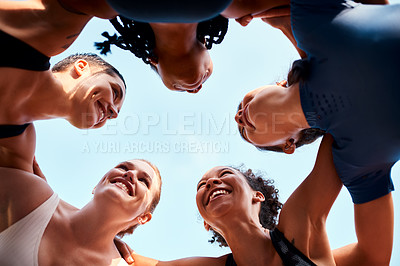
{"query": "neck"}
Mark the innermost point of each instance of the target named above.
(249, 242)
(295, 101)
(287, 101)
(95, 227)
(33, 97)
(174, 38)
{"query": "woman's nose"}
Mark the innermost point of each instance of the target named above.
(238, 117)
(130, 176)
(112, 112)
(212, 181)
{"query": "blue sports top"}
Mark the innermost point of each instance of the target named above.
(353, 53)
(178, 11)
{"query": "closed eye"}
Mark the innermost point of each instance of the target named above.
(225, 172)
(242, 133)
(122, 167)
(201, 184)
(145, 181)
(115, 93)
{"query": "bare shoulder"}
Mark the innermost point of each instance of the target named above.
(20, 193)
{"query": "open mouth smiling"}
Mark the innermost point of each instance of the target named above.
(216, 194)
(123, 184)
(245, 117)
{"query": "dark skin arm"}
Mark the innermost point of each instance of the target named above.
(304, 215)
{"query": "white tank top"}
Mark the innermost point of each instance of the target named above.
(19, 243)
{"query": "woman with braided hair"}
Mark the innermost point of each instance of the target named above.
(177, 52)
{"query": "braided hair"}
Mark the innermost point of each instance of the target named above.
(138, 37)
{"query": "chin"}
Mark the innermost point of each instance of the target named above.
(85, 124)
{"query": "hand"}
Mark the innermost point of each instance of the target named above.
(36, 169)
(124, 250)
(276, 17)
(278, 12)
(245, 20)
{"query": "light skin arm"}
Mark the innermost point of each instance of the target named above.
(192, 261)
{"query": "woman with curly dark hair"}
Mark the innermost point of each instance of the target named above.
(242, 209)
(177, 52)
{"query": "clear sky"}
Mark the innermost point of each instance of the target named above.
(185, 135)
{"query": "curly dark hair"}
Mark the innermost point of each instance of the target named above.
(269, 208)
(298, 73)
(138, 37)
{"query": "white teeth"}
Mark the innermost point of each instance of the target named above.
(102, 114)
(218, 192)
(123, 186)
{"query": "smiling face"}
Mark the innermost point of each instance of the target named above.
(222, 192)
(263, 119)
(95, 99)
(185, 73)
(132, 185)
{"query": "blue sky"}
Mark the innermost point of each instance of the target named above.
(185, 135)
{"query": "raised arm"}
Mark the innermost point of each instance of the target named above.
(303, 216)
(317, 193)
(374, 222)
(310, 204)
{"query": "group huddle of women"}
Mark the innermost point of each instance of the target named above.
(341, 89)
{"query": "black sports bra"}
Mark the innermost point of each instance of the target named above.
(289, 254)
(8, 131)
(17, 54)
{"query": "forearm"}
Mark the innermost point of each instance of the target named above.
(192, 261)
(284, 25)
(374, 222)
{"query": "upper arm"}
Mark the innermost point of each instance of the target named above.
(192, 261)
(303, 216)
(317, 193)
(18, 152)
